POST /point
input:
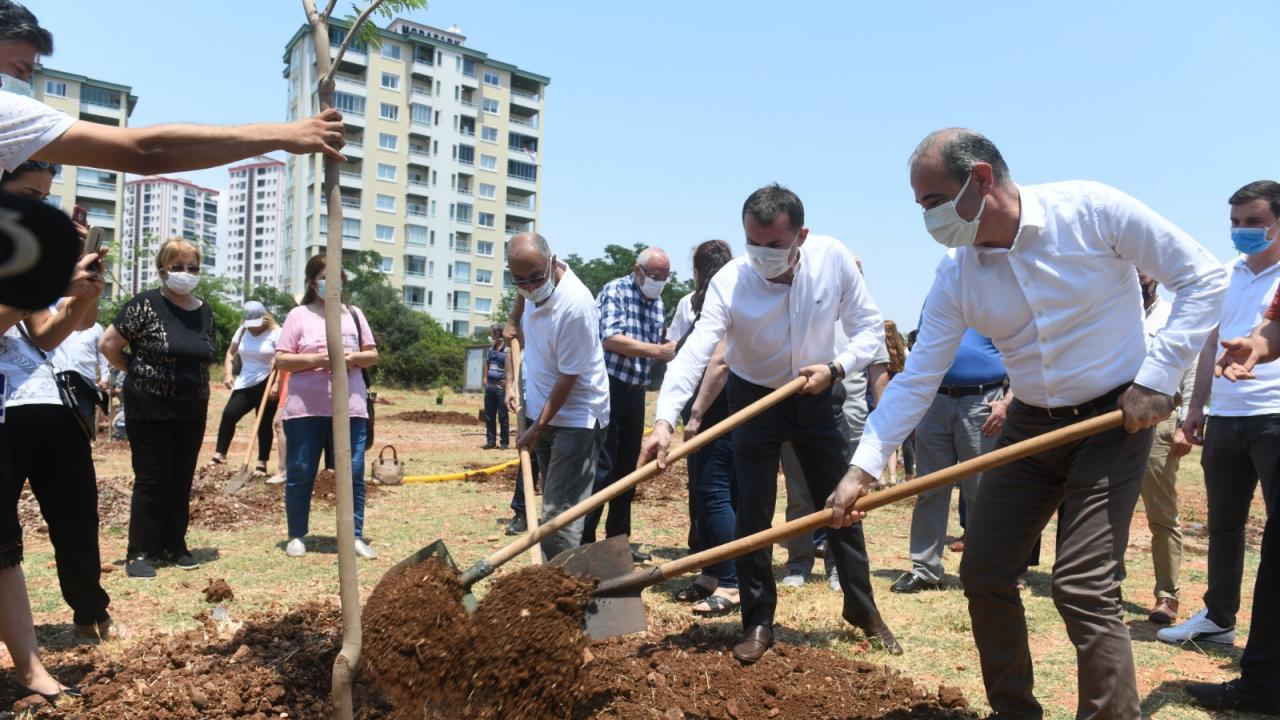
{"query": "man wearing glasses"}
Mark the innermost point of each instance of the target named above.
(631, 329)
(565, 384)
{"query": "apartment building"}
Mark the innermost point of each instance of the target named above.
(159, 208)
(99, 192)
(249, 249)
(443, 166)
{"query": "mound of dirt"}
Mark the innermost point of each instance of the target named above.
(519, 656)
(507, 478)
(114, 495)
(255, 503)
(672, 484)
(693, 676)
(436, 417)
(218, 591)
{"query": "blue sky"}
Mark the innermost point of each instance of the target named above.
(662, 117)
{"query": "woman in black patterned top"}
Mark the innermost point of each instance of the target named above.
(169, 335)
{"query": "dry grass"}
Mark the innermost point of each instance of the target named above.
(933, 627)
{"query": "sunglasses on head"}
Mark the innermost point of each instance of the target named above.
(193, 269)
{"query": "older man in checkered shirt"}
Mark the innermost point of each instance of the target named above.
(631, 330)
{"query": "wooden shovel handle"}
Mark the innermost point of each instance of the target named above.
(257, 422)
(880, 498)
(642, 473)
(526, 464)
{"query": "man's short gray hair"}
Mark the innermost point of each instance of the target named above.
(646, 255)
(961, 149)
(539, 243)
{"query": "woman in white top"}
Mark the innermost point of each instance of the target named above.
(255, 343)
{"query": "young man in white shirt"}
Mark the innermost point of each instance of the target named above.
(1047, 272)
(1242, 431)
(565, 384)
(777, 308)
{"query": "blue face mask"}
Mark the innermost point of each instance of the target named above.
(1250, 241)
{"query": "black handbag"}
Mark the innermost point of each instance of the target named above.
(78, 395)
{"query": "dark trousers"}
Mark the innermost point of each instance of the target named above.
(1238, 451)
(1260, 663)
(713, 496)
(517, 497)
(241, 403)
(909, 455)
(164, 463)
(812, 424)
(48, 449)
(495, 414)
(1096, 482)
(10, 528)
(618, 458)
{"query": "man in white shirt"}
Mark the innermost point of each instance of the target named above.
(777, 308)
(565, 384)
(1047, 272)
(1243, 428)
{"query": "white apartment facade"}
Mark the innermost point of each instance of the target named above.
(250, 241)
(443, 166)
(159, 208)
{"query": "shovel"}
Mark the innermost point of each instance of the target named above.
(618, 609)
(606, 550)
(526, 464)
(241, 476)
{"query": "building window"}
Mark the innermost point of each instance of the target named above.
(387, 141)
(489, 105)
(484, 306)
(55, 88)
(414, 265)
(386, 172)
(413, 296)
(488, 162)
(388, 264)
(483, 277)
(349, 104)
(386, 203)
(491, 78)
(387, 111)
(522, 170)
(485, 219)
(467, 155)
(384, 233)
(489, 134)
(419, 114)
(488, 192)
(463, 213)
(484, 248)
(391, 51)
(415, 235)
(390, 81)
(462, 274)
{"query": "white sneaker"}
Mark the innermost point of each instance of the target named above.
(364, 551)
(1198, 628)
(276, 479)
(793, 580)
(295, 548)
(833, 581)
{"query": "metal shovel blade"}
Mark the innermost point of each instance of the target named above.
(439, 551)
(606, 617)
(236, 481)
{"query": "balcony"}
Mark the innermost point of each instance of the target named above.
(420, 94)
(521, 206)
(418, 187)
(466, 191)
(462, 246)
(353, 148)
(468, 107)
(418, 157)
(96, 190)
(522, 182)
(526, 98)
(353, 84)
(528, 122)
(351, 179)
(353, 118)
(109, 111)
(352, 56)
(422, 67)
(102, 219)
(416, 215)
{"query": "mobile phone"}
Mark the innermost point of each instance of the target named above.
(80, 215)
(94, 244)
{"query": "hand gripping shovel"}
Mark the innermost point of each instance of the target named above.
(604, 558)
(241, 476)
(526, 463)
(618, 610)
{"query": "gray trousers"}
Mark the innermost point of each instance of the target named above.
(567, 457)
(949, 433)
(1096, 482)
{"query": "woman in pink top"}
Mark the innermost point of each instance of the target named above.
(307, 412)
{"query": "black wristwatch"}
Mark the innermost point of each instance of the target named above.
(837, 372)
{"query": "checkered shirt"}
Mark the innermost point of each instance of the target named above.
(625, 311)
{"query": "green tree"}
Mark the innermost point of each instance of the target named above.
(619, 261)
(277, 301)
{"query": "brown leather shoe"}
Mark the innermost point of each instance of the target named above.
(957, 546)
(1165, 611)
(104, 631)
(753, 646)
(880, 634)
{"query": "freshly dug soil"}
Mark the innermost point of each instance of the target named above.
(672, 484)
(519, 656)
(114, 494)
(506, 478)
(692, 676)
(218, 591)
(436, 417)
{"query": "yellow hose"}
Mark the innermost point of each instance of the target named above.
(465, 475)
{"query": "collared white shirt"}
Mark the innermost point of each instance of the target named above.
(79, 352)
(1248, 297)
(1157, 316)
(562, 336)
(683, 318)
(1062, 306)
(774, 329)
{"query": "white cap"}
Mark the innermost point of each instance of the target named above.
(254, 314)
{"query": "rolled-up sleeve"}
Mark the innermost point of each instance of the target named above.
(859, 317)
(1197, 279)
(684, 372)
(911, 392)
(612, 314)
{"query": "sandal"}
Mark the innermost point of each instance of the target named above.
(694, 593)
(215, 460)
(260, 470)
(716, 605)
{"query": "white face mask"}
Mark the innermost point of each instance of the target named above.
(651, 288)
(947, 227)
(9, 83)
(769, 262)
(544, 291)
(181, 282)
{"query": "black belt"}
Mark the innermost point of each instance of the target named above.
(958, 391)
(1090, 407)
